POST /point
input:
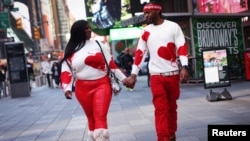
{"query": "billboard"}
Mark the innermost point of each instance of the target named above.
(220, 6)
(215, 67)
(105, 14)
(216, 33)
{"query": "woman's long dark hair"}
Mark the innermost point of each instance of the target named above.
(77, 38)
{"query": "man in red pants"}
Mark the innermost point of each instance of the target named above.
(165, 42)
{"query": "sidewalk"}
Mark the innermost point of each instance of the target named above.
(47, 116)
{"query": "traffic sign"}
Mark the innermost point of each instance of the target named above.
(7, 2)
(4, 20)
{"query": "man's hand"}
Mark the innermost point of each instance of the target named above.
(68, 95)
(130, 81)
(183, 75)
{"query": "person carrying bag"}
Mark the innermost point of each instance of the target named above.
(84, 66)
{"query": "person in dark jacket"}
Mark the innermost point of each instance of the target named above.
(55, 69)
(2, 79)
(30, 71)
(31, 75)
(126, 62)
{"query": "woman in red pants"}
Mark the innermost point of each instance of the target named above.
(83, 64)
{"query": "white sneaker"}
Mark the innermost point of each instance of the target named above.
(91, 137)
(101, 135)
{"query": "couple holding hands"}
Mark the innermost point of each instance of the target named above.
(84, 66)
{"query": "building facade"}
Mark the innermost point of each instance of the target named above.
(212, 24)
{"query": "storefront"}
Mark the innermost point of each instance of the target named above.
(128, 39)
(221, 23)
(211, 24)
(205, 24)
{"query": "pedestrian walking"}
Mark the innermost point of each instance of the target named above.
(46, 65)
(126, 61)
(31, 74)
(2, 79)
(55, 69)
(165, 42)
(83, 64)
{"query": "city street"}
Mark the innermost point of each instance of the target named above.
(47, 116)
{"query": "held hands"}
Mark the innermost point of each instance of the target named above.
(68, 95)
(130, 81)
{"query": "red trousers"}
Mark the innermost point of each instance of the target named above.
(95, 97)
(165, 91)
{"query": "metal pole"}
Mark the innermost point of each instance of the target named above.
(40, 18)
(3, 35)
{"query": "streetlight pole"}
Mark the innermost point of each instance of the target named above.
(40, 21)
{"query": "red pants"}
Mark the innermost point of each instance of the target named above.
(94, 97)
(165, 91)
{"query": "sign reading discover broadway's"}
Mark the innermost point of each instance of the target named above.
(217, 32)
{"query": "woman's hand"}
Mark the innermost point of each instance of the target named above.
(68, 95)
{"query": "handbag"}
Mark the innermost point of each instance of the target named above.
(115, 83)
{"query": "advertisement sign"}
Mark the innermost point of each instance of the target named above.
(105, 14)
(16, 62)
(4, 20)
(215, 67)
(19, 85)
(216, 33)
(220, 6)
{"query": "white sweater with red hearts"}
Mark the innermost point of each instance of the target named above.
(165, 43)
(88, 64)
